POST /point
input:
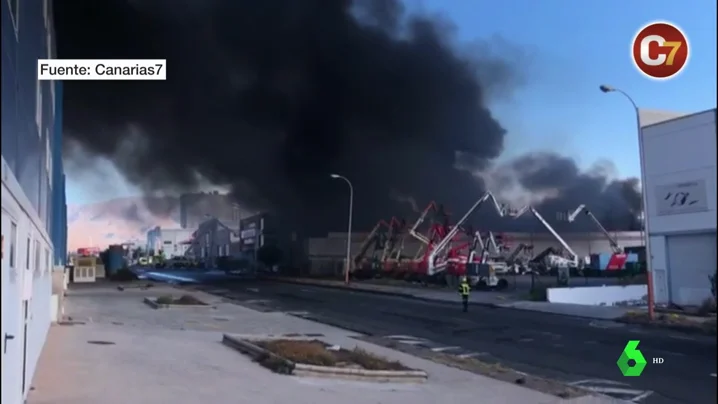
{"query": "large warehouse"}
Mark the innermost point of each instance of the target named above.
(34, 221)
(679, 175)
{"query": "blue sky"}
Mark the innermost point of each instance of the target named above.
(567, 49)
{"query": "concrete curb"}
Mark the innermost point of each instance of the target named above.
(409, 376)
(383, 292)
(153, 303)
(345, 287)
(300, 369)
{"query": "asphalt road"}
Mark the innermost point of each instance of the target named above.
(570, 349)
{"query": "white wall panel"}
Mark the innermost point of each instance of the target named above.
(680, 174)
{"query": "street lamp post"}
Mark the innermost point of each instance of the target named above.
(349, 227)
(644, 223)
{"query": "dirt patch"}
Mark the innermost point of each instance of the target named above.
(673, 321)
(184, 300)
(318, 353)
(706, 309)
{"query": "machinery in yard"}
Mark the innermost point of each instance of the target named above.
(446, 251)
(392, 253)
(365, 263)
(450, 255)
(503, 258)
(561, 261)
(413, 268)
(614, 261)
(479, 268)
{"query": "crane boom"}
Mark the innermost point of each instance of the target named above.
(529, 208)
(493, 244)
(413, 231)
(449, 237)
(365, 245)
(515, 253)
(395, 226)
(617, 249)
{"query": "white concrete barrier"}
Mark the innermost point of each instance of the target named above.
(629, 295)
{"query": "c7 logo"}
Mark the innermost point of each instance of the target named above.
(631, 353)
(660, 50)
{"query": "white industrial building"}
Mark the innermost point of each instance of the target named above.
(172, 242)
(678, 168)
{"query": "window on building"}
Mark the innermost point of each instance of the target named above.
(48, 156)
(15, 15)
(167, 242)
(38, 107)
(52, 98)
(13, 240)
(37, 268)
(27, 253)
(46, 12)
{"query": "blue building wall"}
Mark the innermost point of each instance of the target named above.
(58, 228)
(25, 145)
(34, 221)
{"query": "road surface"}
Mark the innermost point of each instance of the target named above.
(574, 350)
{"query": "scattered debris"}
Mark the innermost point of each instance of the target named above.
(101, 342)
(140, 287)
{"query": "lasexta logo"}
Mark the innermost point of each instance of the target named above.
(660, 50)
(631, 362)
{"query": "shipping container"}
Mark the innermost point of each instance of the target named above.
(115, 259)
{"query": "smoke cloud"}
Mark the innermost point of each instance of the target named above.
(270, 97)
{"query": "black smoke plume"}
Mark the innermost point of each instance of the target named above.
(270, 97)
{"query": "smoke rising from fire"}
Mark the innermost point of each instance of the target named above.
(270, 97)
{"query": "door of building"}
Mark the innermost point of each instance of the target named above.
(12, 335)
(691, 262)
(25, 320)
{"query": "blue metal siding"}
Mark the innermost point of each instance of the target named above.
(58, 227)
(23, 143)
(25, 149)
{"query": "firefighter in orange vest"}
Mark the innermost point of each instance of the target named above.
(464, 291)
